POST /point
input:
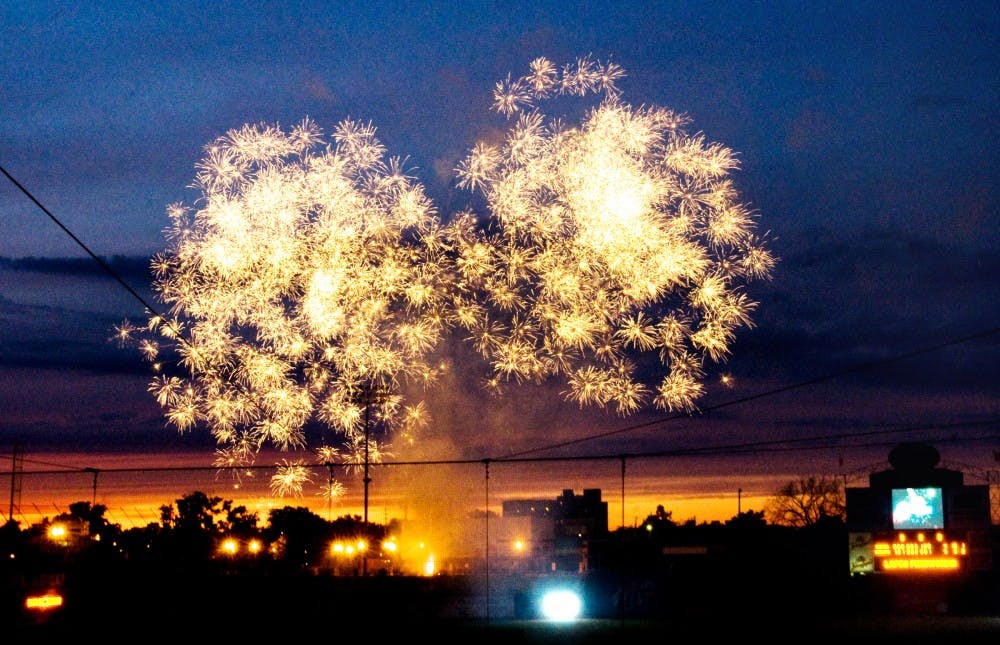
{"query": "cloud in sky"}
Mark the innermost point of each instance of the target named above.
(865, 134)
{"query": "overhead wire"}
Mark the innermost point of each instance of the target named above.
(766, 393)
(104, 265)
(771, 445)
(521, 455)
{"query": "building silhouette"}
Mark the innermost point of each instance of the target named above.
(561, 528)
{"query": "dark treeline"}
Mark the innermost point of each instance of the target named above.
(208, 560)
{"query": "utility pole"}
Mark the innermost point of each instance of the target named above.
(17, 463)
(621, 597)
(367, 480)
(486, 518)
(372, 393)
(94, 471)
(329, 497)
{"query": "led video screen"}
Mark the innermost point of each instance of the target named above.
(917, 508)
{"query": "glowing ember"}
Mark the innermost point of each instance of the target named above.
(306, 286)
(314, 281)
(615, 239)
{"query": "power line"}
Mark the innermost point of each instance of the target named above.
(771, 392)
(784, 445)
(93, 255)
(632, 428)
(773, 445)
(39, 462)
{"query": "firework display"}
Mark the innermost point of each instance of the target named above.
(304, 288)
(618, 238)
(314, 282)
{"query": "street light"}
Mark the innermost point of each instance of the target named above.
(57, 533)
(561, 605)
(230, 546)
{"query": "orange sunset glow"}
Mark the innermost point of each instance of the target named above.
(543, 322)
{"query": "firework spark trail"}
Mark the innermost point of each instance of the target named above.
(616, 239)
(290, 477)
(307, 286)
(315, 279)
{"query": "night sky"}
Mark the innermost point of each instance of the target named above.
(866, 135)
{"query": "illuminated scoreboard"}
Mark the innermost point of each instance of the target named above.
(903, 551)
(919, 520)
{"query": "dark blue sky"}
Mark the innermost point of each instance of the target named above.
(866, 132)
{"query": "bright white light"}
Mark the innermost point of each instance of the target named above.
(561, 605)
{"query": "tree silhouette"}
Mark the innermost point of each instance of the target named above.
(81, 512)
(807, 501)
(660, 520)
(747, 519)
(238, 520)
(190, 527)
(300, 536)
(196, 512)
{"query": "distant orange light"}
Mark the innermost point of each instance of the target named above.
(43, 602)
(920, 564)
